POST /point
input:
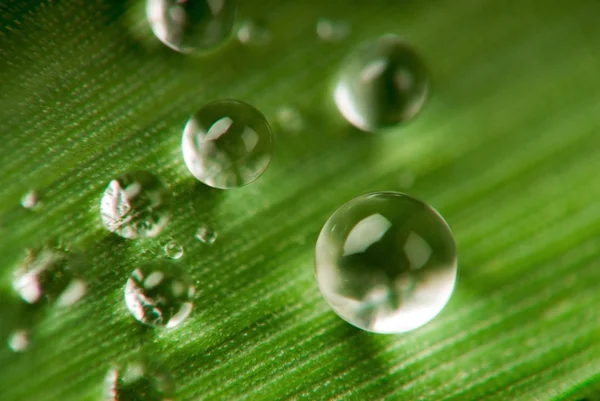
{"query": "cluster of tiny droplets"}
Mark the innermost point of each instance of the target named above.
(390, 269)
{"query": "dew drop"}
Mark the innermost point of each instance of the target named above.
(137, 381)
(386, 262)
(332, 31)
(253, 33)
(381, 84)
(290, 119)
(135, 205)
(46, 273)
(29, 200)
(18, 341)
(206, 235)
(191, 25)
(227, 144)
(173, 249)
(160, 295)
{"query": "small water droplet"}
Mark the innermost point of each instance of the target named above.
(206, 235)
(160, 295)
(46, 272)
(187, 26)
(290, 119)
(173, 249)
(332, 31)
(386, 262)
(254, 33)
(18, 341)
(135, 205)
(137, 381)
(381, 84)
(227, 144)
(29, 200)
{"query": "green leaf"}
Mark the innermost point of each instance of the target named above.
(507, 149)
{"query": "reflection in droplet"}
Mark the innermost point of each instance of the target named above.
(206, 235)
(254, 33)
(137, 381)
(158, 294)
(332, 31)
(18, 341)
(192, 25)
(227, 144)
(46, 273)
(29, 200)
(386, 262)
(381, 84)
(135, 205)
(173, 249)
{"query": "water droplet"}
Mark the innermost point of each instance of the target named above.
(29, 200)
(137, 381)
(187, 26)
(386, 262)
(160, 295)
(46, 272)
(206, 235)
(227, 144)
(381, 84)
(290, 119)
(332, 31)
(135, 205)
(18, 341)
(254, 33)
(173, 249)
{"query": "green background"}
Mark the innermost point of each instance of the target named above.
(507, 149)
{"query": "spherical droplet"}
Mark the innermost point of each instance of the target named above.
(135, 205)
(206, 235)
(386, 262)
(18, 341)
(381, 84)
(173, 249)
(29, 200)
(137, 381)
(191, 25)
(227, 144)
(160, 295)
(46, 273)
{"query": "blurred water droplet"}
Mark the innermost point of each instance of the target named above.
(227, 144)
(191, 25)
(406, 180)
(254, 33)
(206, 235)
(137, 381)
(332, 31)
(290, 119)
(173, 249)
(29, 200)
(18, 341)
(135, 205)
(159, 294)
(381, 84)
(46, 272)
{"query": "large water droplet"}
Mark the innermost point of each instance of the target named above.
(158, 294)
(190, 25)
(227, 144)
(386, 262)
(137, 381)
(18, 341)
(206, 235)
(381, 84)
(29, 200)
(47, 273)
(135, 205)
(332, 31)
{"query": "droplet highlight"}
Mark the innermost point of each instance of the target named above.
(30, 200)
(386, 262)
(160, 295)
(289, 119)
(206, 235)
(137, 381)
(381, 84)
(227, 144)
(191, 25)
(135, 205)
(18, 341)
(254, 33)
(332, 31)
